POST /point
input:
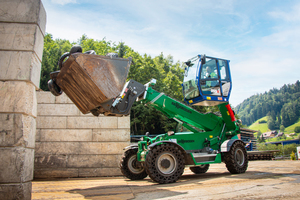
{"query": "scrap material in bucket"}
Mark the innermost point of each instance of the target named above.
(89, 80)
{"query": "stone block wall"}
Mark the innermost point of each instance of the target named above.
(70, 144)
(22, 30)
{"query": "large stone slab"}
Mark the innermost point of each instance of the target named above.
(57, 148)
(94, 161)
(16, 164)
(56, 173)
(29, 11)
(45, 97)
(21, 37)
(50, 161)
(124, 122)
(43, 122)
(15, 191)
(17, 130)
(20, 65)
(104, 148)
(64, 99)
(57, 110)
(110, 135)
(92, 122)
(67, 135)
(18, 97)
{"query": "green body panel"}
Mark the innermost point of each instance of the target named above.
(207, 130)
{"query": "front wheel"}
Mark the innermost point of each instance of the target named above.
(165, 163)
(130, 167)
(236, 158)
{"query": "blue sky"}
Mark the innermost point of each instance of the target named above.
(261, 38)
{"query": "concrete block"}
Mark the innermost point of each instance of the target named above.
(98, 172)
(51, 122)
(124, 122)
(18, 65)
(104, 148)
(56, 173)
(93, 161)
(63, 99)
(57, 110)
(109, 122)
(67, 135)
(92, 122)
(38, 135)
(17, 130)
(21, 37)
(56, 148)
(83, 122)
(16, 164)
(45, 97)
(50, 161)
(29, 11)
(18, 97)
(111, 135)
(15, 191)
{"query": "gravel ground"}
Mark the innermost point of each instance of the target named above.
(263, 180)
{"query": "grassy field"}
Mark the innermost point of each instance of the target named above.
(264, 128)
(260, 127)
(290, 129)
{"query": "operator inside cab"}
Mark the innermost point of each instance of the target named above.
(207, 81)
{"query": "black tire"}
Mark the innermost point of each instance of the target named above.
(130, 167)
(76, 49)
(165, 163)
(54, 88)
(200, 169)
(62, 58)
(236, 158)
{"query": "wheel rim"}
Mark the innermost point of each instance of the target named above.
(239, 157)
(202, 166)
(132, 165)
(166, 163)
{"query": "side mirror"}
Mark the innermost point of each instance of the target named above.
(188, 63)
(186, 70)
(203, 59)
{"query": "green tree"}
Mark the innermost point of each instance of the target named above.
(52, 51)
(282, 128)
(297, 129)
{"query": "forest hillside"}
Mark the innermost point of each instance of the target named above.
(281, 106)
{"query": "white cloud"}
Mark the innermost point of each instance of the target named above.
(290, 15)
(63, 2)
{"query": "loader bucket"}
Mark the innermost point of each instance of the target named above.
(89, 80)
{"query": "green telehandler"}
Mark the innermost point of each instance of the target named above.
(210, 138)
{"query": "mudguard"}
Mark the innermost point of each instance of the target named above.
(226, 145)
(134, 146)
(165, 141)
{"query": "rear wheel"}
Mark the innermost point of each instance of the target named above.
(200, 169)
(236, 159)
(165, 163)
(130, 167)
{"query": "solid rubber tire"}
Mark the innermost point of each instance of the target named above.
(54, 88)
(200, 169)
(152, 163)
(231, 161)
(125, 168)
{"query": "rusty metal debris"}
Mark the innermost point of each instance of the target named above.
(90, 80)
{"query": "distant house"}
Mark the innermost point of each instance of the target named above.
(291, 134)
(280, 134)
(269, 134)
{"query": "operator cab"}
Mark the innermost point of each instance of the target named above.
(207, 81)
